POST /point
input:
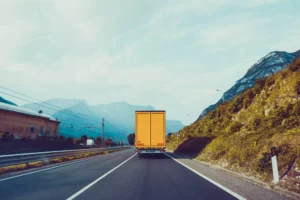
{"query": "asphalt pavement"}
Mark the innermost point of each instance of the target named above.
(119, 175)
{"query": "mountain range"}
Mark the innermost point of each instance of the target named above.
(78, 117)
(2, 100)
(266, 66)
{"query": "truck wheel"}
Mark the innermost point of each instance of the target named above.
(139, 155)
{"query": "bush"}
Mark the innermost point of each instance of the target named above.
(84, 139)
(295, 65)
(265, 162)
(297, 88)
(250, 94)
(270, 81)
(259, 85)
(213, 114)
(131, 138)
(235, 108)
(256, 123)
(277, 116)
(247, 102)
(235, 127)
(296, 109)
(289, 110)
(284, 73)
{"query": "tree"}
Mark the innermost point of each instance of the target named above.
(99, 140)
(131, 138)
(108, 142)
(84, 138)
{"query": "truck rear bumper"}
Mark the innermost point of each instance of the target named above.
(150, 151)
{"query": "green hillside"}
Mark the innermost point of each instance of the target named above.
(239, 134)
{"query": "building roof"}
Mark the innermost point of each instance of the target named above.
(18, 109)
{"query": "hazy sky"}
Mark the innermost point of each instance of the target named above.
(172, 55)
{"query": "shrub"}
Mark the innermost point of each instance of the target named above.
(237, 104)
(259, 85)
(270, 81)
(292, 122)
(289, 110)
(213, 114)
(295, 65)
(265, 162)
(296, 109)
(256, 123)
(246, 103)
(297, 88)
(284, 73)
(235, 127)
(250, 94)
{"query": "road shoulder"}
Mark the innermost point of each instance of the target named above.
(239, 184)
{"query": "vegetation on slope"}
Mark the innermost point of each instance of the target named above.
(239, 134)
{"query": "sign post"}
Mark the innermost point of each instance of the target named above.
(274, 165)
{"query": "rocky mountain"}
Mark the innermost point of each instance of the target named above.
(7, 102)
(270, 64)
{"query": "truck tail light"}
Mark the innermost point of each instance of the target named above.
(162, 150)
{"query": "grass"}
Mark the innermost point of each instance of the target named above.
(244, 129)
(36, 164)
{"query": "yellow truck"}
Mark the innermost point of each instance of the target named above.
(150, 132)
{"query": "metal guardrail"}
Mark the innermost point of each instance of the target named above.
(14, 159)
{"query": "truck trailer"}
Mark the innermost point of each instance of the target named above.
(150, 132)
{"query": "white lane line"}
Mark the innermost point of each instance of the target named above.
(208, 179)
(98, 179)
(42, 170)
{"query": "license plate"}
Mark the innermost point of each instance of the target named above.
(150, 151)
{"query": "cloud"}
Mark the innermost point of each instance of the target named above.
(169, 55)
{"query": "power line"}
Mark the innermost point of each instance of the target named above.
(42, 101)
(47, 107)
(60, 109)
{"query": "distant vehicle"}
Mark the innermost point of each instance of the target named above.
(90, 142)
(150, 132)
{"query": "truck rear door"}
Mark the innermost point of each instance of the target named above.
(158, 129)
(142, 130)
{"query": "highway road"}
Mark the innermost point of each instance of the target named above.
(120, 175)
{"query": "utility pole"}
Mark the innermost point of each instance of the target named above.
(102, 132)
